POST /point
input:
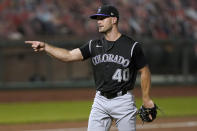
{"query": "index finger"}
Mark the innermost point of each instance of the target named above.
(29, 42)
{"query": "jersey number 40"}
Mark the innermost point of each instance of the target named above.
(121, 75)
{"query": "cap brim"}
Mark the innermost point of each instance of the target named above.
(96, 15)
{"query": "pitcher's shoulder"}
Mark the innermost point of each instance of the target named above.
(128, 40)
(95, 42)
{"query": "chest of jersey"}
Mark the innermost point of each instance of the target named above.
(116, 55)
(112, 63)
(113, 58)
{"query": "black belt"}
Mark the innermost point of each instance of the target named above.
(113, 95)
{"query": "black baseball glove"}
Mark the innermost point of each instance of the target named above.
(145, 113)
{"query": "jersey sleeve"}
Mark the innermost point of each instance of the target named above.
(86, 50)
(139, 57)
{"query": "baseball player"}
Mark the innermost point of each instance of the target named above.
(116, 59)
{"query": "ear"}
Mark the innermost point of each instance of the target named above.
(114, 20)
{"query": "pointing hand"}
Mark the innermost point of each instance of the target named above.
(36, 45)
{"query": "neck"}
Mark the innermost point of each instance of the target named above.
(112, 35)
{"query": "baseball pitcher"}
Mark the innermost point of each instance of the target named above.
(116, 59)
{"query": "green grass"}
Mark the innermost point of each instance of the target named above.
(15, 113)
(178, 106)
(44, 112)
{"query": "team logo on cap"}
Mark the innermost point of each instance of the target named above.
(112, 14)
(99, 10)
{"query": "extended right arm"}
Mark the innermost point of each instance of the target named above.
(58, 53)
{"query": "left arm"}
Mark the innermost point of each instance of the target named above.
(145, 87)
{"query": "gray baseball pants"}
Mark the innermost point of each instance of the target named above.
(122, 109)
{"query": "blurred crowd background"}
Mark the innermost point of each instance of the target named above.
(167, 30)
(159, 19)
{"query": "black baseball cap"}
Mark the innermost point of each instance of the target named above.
(106, 11)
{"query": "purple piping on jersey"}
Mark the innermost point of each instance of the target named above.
(133, 48)
(90, 43)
